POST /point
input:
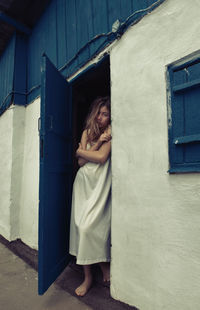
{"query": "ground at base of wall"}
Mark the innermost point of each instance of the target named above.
(29, 255)
(98, 297)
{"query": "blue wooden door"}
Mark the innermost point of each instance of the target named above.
(55, 174)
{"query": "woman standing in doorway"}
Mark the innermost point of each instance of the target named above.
(91, 198)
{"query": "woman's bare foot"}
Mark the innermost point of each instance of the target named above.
(87, 283)
(84, 287)
(105, 267)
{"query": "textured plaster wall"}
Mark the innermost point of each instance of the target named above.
(19, 177)
(18, 126)
(155, 216)
(6, 131)
(30, 178)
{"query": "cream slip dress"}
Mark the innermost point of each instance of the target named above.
(91, 214)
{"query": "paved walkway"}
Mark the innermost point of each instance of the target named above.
(18, 288)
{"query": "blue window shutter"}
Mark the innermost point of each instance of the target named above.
(55, 174)
(177, 129)
(177, 126)
(184, 126)
(192, 126)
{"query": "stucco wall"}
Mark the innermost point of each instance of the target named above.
(18, 126)
(155, 216)
(6, 131)
(30, 178)
(19, 177)
(11, 153)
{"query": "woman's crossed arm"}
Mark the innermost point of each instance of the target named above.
(99, 151)
(100, 156)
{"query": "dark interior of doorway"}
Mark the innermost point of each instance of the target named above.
(93, 83)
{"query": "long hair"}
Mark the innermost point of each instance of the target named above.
(92, 127)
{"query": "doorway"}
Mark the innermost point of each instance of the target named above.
(93, 83)
(64, 107)
(86, 87)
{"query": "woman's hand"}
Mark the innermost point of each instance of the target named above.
(105, 137)
(98, 152)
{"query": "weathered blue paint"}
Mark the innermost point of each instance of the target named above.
(139, 4)
(186, 86)
(69, 25)
(113, 12)
(71, 32)
(126, 8)
(184, 127)
(186, 139)
(61, 32)
(7, 75)
(55, 170)
(55, 174)
(20, 70)
(84, 28)
(187, 168)
(71, 36)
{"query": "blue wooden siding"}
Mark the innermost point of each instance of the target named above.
(70, 32)
(68, 25)
(6, 75)
(20, 68)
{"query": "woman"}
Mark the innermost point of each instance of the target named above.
(90, 216)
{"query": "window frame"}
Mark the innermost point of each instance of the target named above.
(183, 167)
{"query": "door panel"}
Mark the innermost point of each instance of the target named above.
(55, 174)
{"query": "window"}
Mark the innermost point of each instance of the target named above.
(184, 114)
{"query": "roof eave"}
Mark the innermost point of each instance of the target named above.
(18, 26)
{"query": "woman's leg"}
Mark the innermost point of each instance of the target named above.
(85, 286)
(105, 267)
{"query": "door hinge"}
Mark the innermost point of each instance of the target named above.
(39, 124)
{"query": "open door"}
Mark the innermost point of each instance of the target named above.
(55, 174)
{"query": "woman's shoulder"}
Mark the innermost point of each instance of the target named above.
(85, 132)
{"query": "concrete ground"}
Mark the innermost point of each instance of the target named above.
(18, 288)
(19, 284)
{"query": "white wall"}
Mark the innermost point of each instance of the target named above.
(19, 177)
(18, 125)
(30, 178)
(6, 131)
(155, 216)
